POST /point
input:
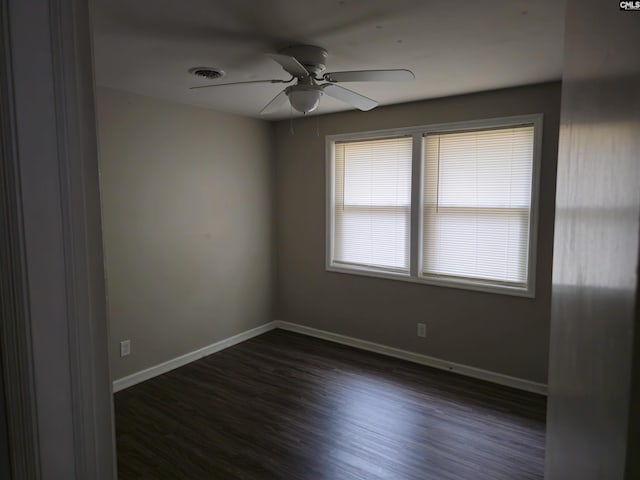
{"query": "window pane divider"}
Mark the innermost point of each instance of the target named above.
(416, 193)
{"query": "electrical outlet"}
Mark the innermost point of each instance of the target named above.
(422, 330)
(125, 348)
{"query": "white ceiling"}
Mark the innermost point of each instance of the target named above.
(453, 47)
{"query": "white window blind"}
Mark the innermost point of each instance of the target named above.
(372, 203)
(477, 204)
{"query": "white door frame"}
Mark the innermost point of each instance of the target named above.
(54, 328)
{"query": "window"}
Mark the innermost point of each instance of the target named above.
(372, 209)
(450, 205)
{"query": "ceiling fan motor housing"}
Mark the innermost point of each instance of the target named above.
(312, 58)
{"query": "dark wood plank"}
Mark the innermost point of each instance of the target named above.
(286, 406)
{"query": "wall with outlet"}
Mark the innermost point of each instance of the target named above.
(187, 218)
(499, 333)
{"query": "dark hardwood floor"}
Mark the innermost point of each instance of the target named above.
(286, 406)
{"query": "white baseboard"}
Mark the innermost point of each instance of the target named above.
(474, 372)
(182, 360)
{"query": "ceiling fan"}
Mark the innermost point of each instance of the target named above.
(306, 65)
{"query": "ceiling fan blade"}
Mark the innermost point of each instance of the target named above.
(352, 98)
(275, 103)
(371, 76)
(239, 83)
(290, 64)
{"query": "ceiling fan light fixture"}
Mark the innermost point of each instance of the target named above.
(304, 98)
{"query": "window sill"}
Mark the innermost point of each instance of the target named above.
(457, 284)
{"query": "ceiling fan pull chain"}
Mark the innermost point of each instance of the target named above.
(317, 126)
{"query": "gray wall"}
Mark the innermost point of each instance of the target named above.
(595, 268)
(187, 206)
(499, 333)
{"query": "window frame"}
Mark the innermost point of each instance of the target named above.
(418, 133)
